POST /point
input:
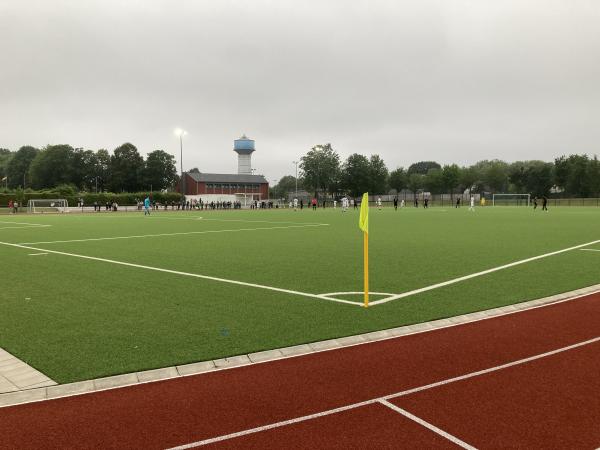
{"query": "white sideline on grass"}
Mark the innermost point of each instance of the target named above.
(187, 274)
(478, 274)
(182, 233)
(384, 398)
(25, 223)
(24, 226)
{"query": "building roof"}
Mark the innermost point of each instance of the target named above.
(226, 178)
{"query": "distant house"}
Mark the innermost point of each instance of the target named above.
(226, 187)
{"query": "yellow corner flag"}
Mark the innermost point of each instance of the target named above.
(363, 224)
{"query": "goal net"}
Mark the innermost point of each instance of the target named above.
(45, 205)
(511, 199)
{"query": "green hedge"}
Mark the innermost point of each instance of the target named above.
(88, 198)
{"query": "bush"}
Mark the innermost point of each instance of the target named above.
(67, 193)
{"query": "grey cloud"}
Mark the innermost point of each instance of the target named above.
(452, 81)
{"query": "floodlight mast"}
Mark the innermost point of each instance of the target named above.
(179, 132)
(296, 163)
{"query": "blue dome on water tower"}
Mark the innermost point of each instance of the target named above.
(243, 145)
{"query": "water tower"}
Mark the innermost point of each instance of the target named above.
(244, 147)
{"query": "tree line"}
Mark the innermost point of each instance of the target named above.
(125, 170)
(323, 171)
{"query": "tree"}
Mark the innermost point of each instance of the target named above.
(434, 181)
(285, 185)
(126, 167)
(571, 174)
(18, 166)
(422, 167)
(159, 170)
(398, 179)
(450, 178)
(52, 166)
(84, 167)
(5, 157)
(517, 175)
(356, 175)
(539, 178)
(320, 168)
(469, 176)
(415, 182)
(494, 174)
(378, 175)
(593, 176)
(101, 170)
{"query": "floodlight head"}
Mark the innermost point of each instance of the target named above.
(180, 132)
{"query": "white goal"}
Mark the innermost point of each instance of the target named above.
(511, 199)
(48, 205)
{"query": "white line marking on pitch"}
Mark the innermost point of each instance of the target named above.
(384, 398)
(589, 250)
(187, 274)
(25, 223)
(169, 234)
(24, 226)
(478, 274)
(427, 425)
(202, 218)
(37, 254)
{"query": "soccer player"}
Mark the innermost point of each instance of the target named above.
(402, 203)
(544, 203)
(379, 203)
(295, 204)
(396, 203)
(457, 202)
(334, 204)
(534, 203)
(345, 204)
(147, 206)
(472, 207)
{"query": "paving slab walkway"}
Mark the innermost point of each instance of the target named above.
(16, 375)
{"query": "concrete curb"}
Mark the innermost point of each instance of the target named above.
(47, 392)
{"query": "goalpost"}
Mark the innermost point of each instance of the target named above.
(47, 205)
(511, 199)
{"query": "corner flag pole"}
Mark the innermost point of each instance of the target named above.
(366, 267)
(363, 224)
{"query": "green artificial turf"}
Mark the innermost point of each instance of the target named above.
(76, 319)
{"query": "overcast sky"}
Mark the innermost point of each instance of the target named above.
(446, 80)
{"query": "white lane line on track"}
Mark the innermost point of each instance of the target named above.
(183, 233)
(187, 274)
(427, 425)
(384, 398)
(478, 274)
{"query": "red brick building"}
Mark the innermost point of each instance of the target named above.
(226, 187)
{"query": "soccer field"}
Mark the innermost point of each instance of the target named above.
(91, 295)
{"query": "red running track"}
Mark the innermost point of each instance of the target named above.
(551, 402)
